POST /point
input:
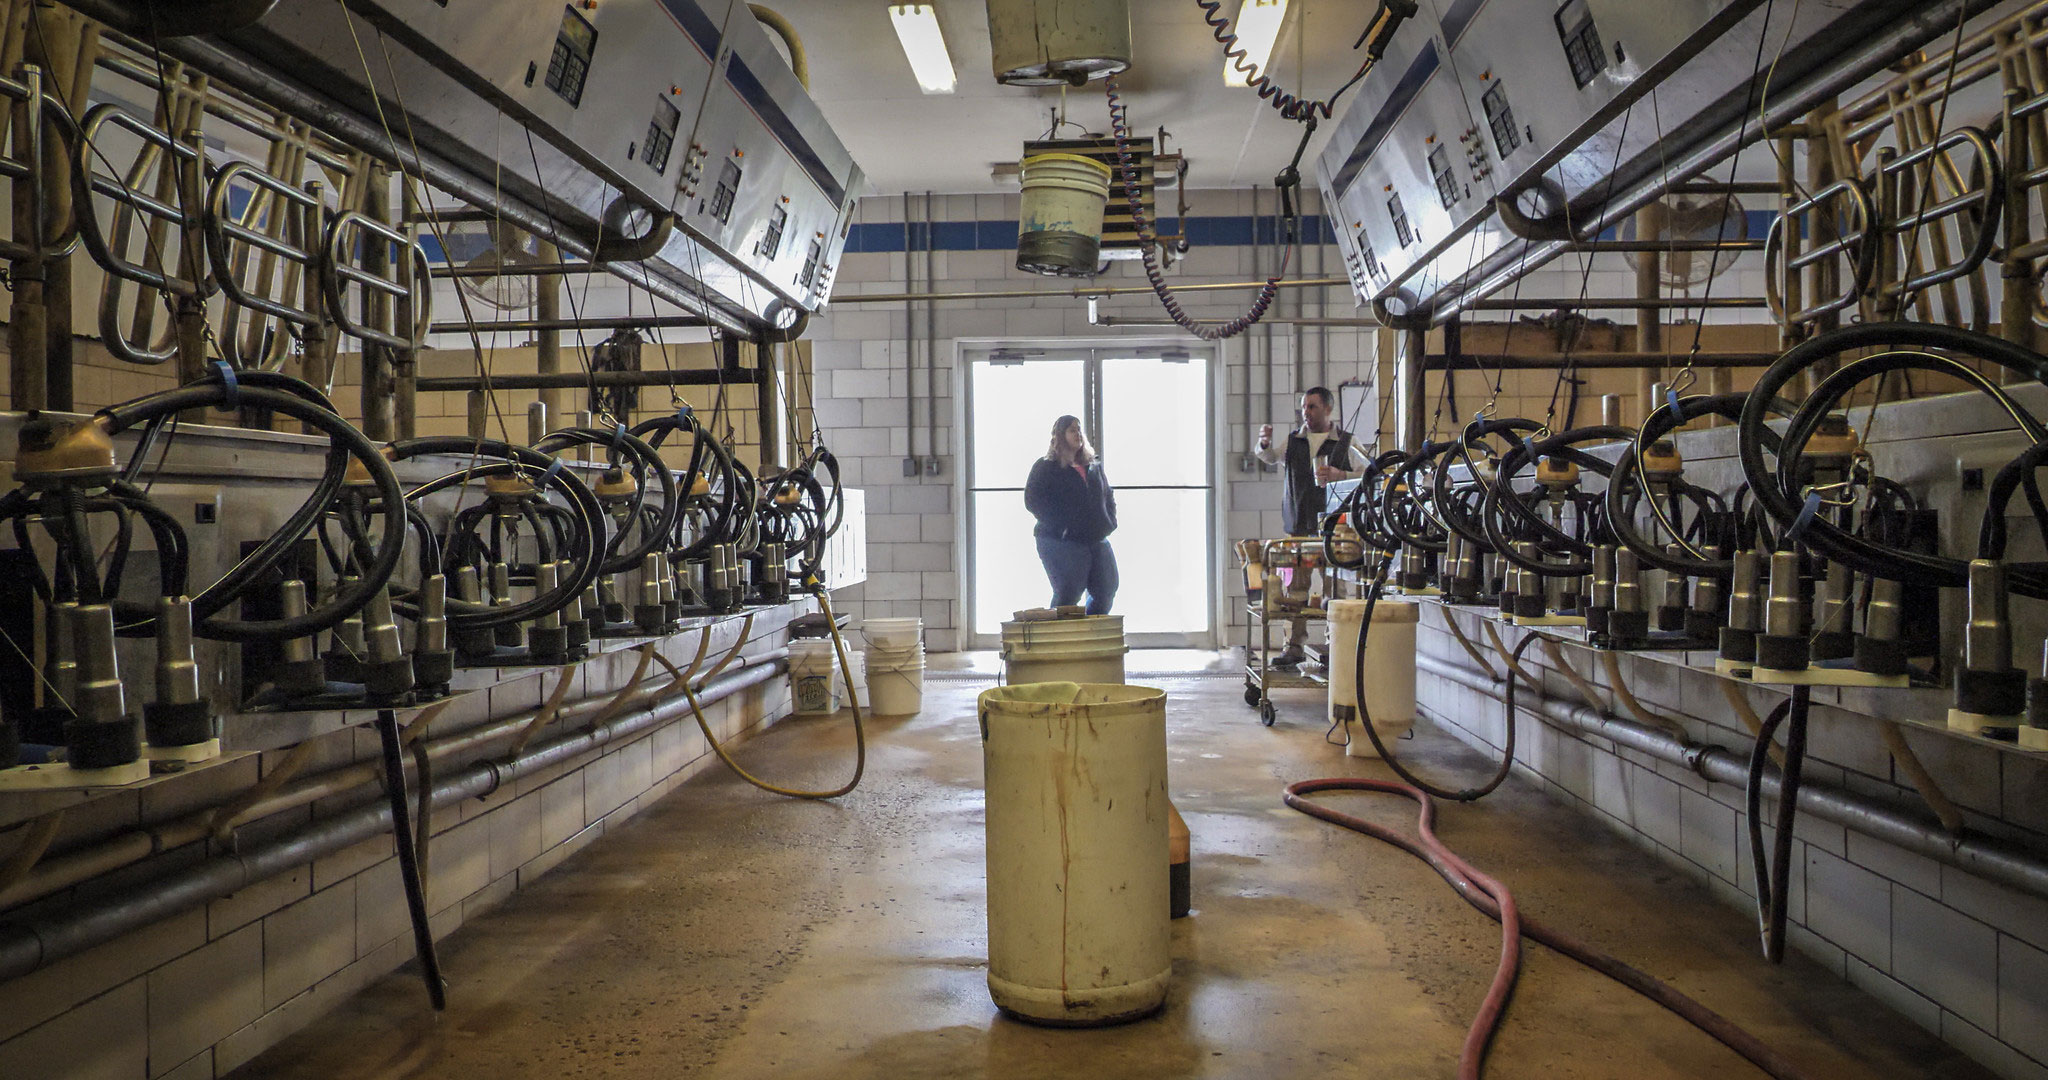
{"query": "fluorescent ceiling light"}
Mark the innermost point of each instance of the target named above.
(917, 27)
(1258, 28)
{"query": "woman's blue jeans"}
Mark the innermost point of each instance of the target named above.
(1075, 566)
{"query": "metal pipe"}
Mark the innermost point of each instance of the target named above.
(1078, 292)
(909, 348)
(31, 942)
(547, 309)
(570, 379)
(931, 345)
(1552, 362)
(1981, 856)
(1410, 425)
(603, 322)
(551, 269)
(1622, 303)
(1270, 320)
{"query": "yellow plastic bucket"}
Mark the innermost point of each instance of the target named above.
(1059, 226)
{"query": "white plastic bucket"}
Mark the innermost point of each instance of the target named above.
(1078, 885)
(813, 677)
(1089, 649)
(1059, 227)
(1389, 667)
(893, 633)
(895, 681)
(857, 680)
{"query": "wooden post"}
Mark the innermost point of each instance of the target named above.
(28, 329)
(379, 413)
(547, 306)
(1649, 322)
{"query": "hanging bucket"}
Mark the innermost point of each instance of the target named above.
(1078, 885)
(1389, 667)
(1088, 649)
(1059, 229)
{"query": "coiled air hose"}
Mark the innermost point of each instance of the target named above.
(1148, 240)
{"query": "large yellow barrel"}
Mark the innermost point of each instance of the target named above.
(1389, 667)
(1078, 891)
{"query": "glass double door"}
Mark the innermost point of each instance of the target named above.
(1147, 412)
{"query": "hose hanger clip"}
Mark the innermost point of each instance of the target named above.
(1805, 518)
(231, 388)
(1687, 377)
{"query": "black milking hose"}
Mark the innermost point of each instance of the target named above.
(1776, 490)
(347, 442)
(1507, 760)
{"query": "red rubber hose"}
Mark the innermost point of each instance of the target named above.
(1493, 898)
(1477, 888)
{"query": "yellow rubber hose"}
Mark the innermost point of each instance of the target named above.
(860, 740)
(1628, 700)
(1471, 650)
(1922, 780)
(1750, 719)
(774, 20)
(1586, 690)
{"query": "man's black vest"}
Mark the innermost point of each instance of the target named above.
(1301, 501)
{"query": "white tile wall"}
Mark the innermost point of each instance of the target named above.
(1958, 955)
(913, 556)
(203, 992)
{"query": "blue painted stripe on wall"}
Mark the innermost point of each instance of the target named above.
(1001, 235)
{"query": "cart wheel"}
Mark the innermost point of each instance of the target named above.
(1268, 713)
(1251, 694)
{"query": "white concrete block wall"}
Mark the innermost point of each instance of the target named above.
(915, 559)
(1961, 956)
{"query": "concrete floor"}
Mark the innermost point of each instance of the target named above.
(728, 933)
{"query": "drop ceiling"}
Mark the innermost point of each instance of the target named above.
(908, 141)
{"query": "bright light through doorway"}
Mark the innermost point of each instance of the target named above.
(1149, 418)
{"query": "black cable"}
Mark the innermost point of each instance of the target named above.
(1776, 489)
(1507, 759)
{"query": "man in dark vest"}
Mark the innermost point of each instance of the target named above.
(1315, 454)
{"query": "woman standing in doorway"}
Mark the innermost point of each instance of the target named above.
(1076, 512)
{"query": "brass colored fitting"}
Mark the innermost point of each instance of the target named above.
(1662, 461)
(1556, 473)
(48, 450)
(1834, 438)
(508, 486)
(616, 484)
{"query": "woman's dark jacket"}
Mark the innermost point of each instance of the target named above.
(1068, 507)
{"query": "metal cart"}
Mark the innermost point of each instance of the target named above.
(1267, 565)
